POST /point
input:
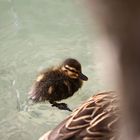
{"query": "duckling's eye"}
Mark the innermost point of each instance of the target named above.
(74, 71)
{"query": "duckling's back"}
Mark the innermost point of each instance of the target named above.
(53, 85)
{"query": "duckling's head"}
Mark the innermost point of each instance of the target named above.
(72, 68)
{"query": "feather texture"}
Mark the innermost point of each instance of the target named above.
(96, 119)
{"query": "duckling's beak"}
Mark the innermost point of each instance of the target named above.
(83, 77)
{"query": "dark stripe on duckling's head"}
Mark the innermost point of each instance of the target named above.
(73, 69)
(73, 63)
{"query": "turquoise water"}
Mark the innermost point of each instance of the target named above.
(35, 34)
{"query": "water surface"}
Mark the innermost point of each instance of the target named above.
(35, 34)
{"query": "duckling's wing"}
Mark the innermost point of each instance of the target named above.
(49, 85)
(39, 89)
(94, 120)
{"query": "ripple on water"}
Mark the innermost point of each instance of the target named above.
(35, 35)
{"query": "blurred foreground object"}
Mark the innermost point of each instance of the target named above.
(120, 21)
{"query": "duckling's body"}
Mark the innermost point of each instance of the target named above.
(54, 85)
(58, 83)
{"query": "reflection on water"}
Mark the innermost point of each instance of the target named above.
(35, 34)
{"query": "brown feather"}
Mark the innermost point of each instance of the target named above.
(96, 119)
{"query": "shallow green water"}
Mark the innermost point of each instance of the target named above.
(35, 34)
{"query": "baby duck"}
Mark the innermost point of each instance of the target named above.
(58, 83)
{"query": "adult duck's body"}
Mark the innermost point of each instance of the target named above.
(96, 119)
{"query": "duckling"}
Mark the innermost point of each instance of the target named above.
(95, 119)
(58, 83)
